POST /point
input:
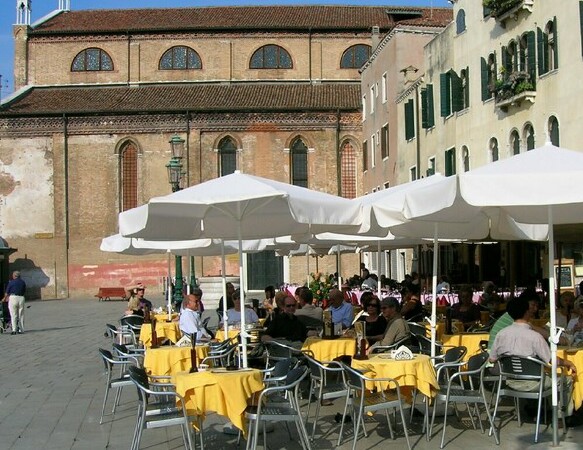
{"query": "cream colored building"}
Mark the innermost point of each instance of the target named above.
(491, 85)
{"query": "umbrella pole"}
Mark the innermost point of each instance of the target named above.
(339, 267)
(379, 269)
(308, 266)
(169, 290)
(434, 290)
(224, 280)
(242, 285)
(554, 336)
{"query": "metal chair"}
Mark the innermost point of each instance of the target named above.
(120, 335)
(321, 387)
(425, 345)
(111, 381)
(517, 368)
(363, 402)
(467, 387)
(222, 358)
(149, 417)
(406, 341)
(277, 351)
(124, 352)
(132, 324)
(266, 411)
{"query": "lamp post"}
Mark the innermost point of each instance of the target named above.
(175, 176)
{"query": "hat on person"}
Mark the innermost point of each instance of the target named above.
(391, 302)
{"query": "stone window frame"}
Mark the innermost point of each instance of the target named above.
(348, 168)
(128, 173)
(190, 52)
(349, 58)
(261, 63)
(83, 56)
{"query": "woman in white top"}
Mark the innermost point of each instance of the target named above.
(234, 314)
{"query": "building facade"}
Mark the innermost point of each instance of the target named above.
(272, 91)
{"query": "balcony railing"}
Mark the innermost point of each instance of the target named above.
(513, 89)
(501, 10)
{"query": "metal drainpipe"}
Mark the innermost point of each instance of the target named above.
(128, 58)
(310, 53)
(418, 162)
(187, 148)
(338, 156)
(66, 189)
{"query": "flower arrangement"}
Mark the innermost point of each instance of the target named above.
(499, 7)
(511, 84)
(320, 286)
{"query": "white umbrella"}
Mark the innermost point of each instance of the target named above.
(239, 206)
(540, 186)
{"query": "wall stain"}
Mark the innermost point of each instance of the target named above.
(7, 184)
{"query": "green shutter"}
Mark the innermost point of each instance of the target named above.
(430, 108)
(484, 75)
(541, 51)
(556, 42)
(530, 48)
(409, 120)
(546, 52)
(581, 24)
(444, 91)
(424, 109)
(457, 99)
(467, 90)
(505, 62)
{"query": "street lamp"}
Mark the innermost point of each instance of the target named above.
(175, 175)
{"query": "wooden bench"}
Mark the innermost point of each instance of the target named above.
(107, 293)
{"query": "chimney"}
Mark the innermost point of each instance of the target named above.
(375, 37)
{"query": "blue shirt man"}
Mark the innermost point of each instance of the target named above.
(340, 310)
(16, 286)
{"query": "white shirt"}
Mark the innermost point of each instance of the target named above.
(370, 283)
(190, 323)
(234, 317)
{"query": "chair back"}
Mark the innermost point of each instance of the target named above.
(455, 354)
(141, 374)
(425, 345)
(417, 329)
(133, 321)
(294, 377)
(354, 379)
(111, 330)
(122, 349)
(475, 364)
(283, 367)
(522, 368)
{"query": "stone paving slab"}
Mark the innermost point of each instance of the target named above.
(52, 385)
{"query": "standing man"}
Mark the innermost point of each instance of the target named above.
(340, 310)
(190, 318)
(15, 297)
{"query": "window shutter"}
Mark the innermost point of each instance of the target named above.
(556, 42)
(424, 109)
(581, 24)
(364, 156)
(541, 51)
(444, 90)
(546, 52)
(505, 59)
(484, 76)
(467, 89)
(530, 48)
(430, 108)
(409, 120)
(457, 100)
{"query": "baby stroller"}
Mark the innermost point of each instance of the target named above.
(4, 317)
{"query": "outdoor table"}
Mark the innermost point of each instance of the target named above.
(164, 316)
(169, 360)
(330, 349)
(164, 330)
(417, 373)
(575, 355)
(224, 392)
(469, 340)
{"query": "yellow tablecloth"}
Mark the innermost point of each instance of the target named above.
(575, 355)
(233, 333)
(164, 330)
(330, 349)
(439, 329)
(171, 360)
(470, 340)
(416, 373)
(223, 392)
(163, 317)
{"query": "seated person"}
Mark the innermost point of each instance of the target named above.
(519, 339)
(466, 311)
(269, 302)
(278, 307)
(490, 300)
(286, 325)
(309, 314)
(397, 327)
(234, 314)
(443, 287)
(411, 308)
(341, 311)
(137, 301)
(369, 281)
(230, 289)
(375, 323)
(190, 322)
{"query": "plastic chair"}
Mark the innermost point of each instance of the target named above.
(149, 417)
(519, 368)
(111, 381)
(321, 388)
(266, 411)
(464, 387)
(364, 402)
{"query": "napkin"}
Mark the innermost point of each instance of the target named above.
(184, 341)
(403, 353)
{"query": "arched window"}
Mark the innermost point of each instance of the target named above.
(180, 58)
(493, 147)
(554, 130)
(128, 167)
(227, 156)
(515, 142)
(460, 21)
(271, 57)
(348, 170)
(465, 88)
(510, 58)
(528, 136)
(299, 163)
(92, 60)
(354, 57)
(466, 158)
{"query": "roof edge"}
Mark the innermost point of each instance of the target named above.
(46, 18)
